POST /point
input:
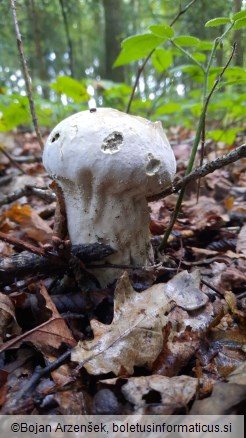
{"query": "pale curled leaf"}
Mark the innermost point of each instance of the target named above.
(135, 336)
(175, 392)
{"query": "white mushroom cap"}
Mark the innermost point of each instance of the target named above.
(107, 163)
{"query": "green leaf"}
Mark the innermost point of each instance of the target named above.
(217, 21)
(205, 45)
(186, 40)
(240, 23)
(239, 15)
(228, 136)
(194, 72)
(200, 57)
(72, 88)
(162, 59)
(162, 30)
(235, 72)
(14, 115)
(169, 108)
(137, 47)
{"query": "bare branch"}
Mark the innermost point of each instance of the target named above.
(26, 74)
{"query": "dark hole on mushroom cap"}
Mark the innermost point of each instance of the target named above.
(112, 142)
(56, 136)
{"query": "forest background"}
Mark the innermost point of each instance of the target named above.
(71, 48)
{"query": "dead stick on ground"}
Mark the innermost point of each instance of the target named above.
(41, 372)
(204, 170)
(26, 74)
(11, 159)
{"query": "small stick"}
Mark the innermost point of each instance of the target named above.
(41, 372)
(26, 74)
(27, 190)
(22, 245)
(12, 160)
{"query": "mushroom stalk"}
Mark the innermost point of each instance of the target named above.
(106, 164)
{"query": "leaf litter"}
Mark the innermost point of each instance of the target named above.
(177, 345)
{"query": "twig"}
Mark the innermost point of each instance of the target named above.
(26, 74)
(12, 160)
(141, 68)
(199, 172)
(22, 245)
(182, 11)
(215, 289)
(41, 372)
(27, 190)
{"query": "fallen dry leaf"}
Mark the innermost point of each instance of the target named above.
(162, 394)
(8, 322)
(47, 336)
(31, 223)
(238, 375)
(224, 399)
(182, 337)
(135, 336)
(205, 213)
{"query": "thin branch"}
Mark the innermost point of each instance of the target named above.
(141, 68)
(202, 171)
(22, 245)
(182, 11)
(26, 74)
(28, 190)
(12, 160)
(41, 372)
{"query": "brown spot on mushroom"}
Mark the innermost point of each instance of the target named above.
(111, 144)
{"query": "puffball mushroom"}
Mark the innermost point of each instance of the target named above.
(106, 163)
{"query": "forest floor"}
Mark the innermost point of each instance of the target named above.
(165, 340)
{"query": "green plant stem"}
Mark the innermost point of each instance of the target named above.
(217, 41)
(199, 131)
(187, 55)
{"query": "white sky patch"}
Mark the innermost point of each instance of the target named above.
(92, 103)
(21, 83)
(151, 96)
(89, 70)
(64, 99)
(90, 90)
(39, 90)
(52, 56)
(141, 85)
(180, 89)
(13, 78)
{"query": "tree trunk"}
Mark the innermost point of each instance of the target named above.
(69, 41)
(238, 37)
(42, 71)
(113, 36)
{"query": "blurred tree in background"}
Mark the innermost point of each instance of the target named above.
(71, 47)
